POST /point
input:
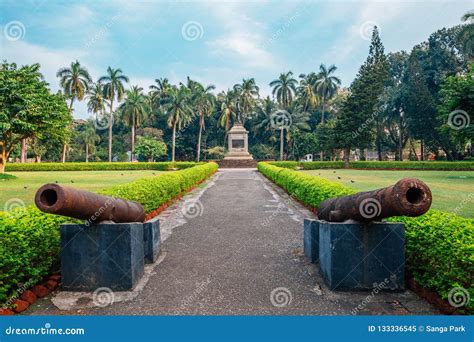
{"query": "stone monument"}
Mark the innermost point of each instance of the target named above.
(238, 140)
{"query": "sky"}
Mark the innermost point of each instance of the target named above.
(214, 42)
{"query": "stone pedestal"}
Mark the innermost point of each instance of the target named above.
(151, 240)
(237, 143)
(356, 256)
(362, 256)
(107, 255)
(311, 239)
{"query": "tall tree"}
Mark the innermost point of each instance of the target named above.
(134, 109)
(96, 100)
(306, 91)
(203, 102)
(356, 122)
(28, 109)
(226, 102)
(177, 110)
(89, 138)
(326, 85)
(113, 84)
(74, 81)
(284, 89)
(247, 92)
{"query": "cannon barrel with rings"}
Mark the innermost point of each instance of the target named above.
(355, 249)
(109, 247)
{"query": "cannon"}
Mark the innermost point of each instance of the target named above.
(85, 205)
(407, 197)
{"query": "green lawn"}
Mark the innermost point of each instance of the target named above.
(449, 188)
(24, 187)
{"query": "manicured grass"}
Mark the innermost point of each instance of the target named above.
(449, 188)
(25, 185)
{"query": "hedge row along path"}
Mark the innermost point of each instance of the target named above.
(245, 243)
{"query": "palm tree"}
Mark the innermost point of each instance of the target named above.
(284, 88)
(134, 110)
(226, 108)
(113, 88)
(203, 101)
(307, 92)
(247, 91)
(89, 138)
(177, 109)
(326, 85)
(158, 91)
(264, 114)
(74, 81)
(299, 121)
(97, 102)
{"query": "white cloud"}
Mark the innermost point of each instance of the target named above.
(242, 38)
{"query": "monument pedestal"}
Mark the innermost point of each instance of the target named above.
(238, 144)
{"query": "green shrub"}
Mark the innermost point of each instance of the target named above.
(440, 251)
(29, 246)
(161, 166)
(154, 191)
(439, 245)
(29, 238)
(391, 165)
(6, 176)
(308, 189)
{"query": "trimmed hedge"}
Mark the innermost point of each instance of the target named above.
(30, 238)
(153, 192)
(310, 190)
(390, 165)
(439, 245)
(99, 166)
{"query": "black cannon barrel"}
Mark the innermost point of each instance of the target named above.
(407, 197)
(85, 205)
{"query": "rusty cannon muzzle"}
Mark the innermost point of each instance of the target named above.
(407, 197)
(85, 205)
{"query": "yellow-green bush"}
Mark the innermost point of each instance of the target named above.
(439, 245)
(98, 166)
(383, 165)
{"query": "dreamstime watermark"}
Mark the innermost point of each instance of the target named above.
(102, 122)
(370, 208)
(192, 208)
(200, 288)
(99, 34)
(21, 289)
(281, 297)
(99, 211)
(46, 330)
(280, 119)
(14, 206)
(366, 29)
(14, 30)
(367, 124)
(458, 119)
(375, 290)
(458, 297)
(282, 28)
(103, 297)
(192, 30)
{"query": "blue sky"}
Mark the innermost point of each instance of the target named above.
(218, 42)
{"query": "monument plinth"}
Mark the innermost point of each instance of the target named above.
(238, 144)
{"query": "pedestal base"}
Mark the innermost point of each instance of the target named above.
(107, 255)
(311, 239)
(356, 256)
